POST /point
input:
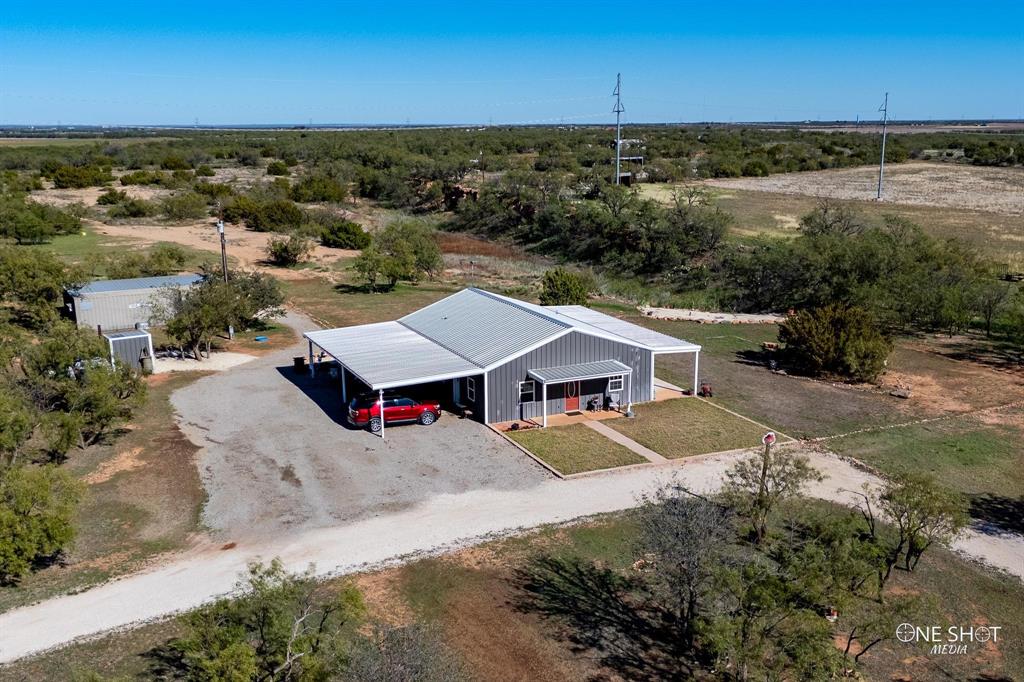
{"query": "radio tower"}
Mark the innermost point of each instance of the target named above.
(881, 162)
(617, 110)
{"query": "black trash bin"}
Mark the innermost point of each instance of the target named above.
(300, 363)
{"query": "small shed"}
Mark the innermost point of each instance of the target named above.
(133, 348)
(120, 303)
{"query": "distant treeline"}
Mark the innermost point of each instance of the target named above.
(669, 152)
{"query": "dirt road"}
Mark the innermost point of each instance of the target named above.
(440, 523)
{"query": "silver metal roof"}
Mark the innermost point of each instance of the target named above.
(627, 331)
(130, 334)
(586, 370)
(138, 283)
(388, 354)
(482, 327)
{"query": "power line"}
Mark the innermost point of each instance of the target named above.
(617, 111)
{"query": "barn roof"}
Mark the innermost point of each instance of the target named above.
(470, 332)
(105, 286)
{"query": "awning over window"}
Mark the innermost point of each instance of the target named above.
(586, 370)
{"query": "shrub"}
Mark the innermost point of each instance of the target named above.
(563, 287)
(204, 171)
(318, 188)
(290, 250)
(132, 208)
(76, 177)
(278, 168)
(213, 190)
(279, 215)
(173, 162)
(144, 177)
(111, 196)
(187, 206)
(37, 506)
(345, 235)
(836, 340)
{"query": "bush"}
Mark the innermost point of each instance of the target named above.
(111, 196)
(37, 506)
(76, 177)
(173, 162)
(204, 171)
(318, 188)
(278, 168)
(563, 287)
(143, 177)
(835, 340)
(290, 250)
(132, 208)
(186, 206)
(345, 235)
(279, 215)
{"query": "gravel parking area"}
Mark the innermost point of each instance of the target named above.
(276, 454)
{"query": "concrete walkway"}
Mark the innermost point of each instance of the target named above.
(612, 434)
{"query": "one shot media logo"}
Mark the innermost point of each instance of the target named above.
(955, 639)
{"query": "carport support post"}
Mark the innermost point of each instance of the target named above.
(344, 397)
(312, 369)
(544, 402)
(380, 403)
(696, 366)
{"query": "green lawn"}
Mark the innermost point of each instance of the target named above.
(575, 448)
(963, 453)
(687, 427)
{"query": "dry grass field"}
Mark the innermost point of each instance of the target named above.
(995, 190)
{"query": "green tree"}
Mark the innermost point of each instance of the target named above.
(37, 506)
(564, 287)
(756, 485)
(184, 206)
(34, 282)
(290, 250)
(277, 626)
(837, 340)
(344, 234)
(278, 168)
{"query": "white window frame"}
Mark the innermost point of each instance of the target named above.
(471, 389)
(532, 391)
(621, 381)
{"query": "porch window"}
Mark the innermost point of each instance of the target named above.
(615, 385)
(471, 389)
(526, 392)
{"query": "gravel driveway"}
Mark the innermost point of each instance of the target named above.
(276, 455)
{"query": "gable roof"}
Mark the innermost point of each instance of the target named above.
(470, 332)
(105, 286)
(483, 327)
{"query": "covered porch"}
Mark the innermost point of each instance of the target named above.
(571, 377)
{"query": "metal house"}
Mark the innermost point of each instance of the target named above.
(502, 358)
(120, 303)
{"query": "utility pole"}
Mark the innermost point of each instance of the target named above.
(224, 257)
(881, 162)
(617, 110)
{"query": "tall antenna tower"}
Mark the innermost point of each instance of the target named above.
(617, 110)
(881, 162)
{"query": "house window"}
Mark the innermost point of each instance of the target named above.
(615, 385)
(525, 392)
(471, 389)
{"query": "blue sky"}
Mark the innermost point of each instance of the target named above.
(502, 62)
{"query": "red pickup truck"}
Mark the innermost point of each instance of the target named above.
(364, 411)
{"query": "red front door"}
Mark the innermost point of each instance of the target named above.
(572, 396)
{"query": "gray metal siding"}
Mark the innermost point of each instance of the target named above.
(129, 350)
(115, 310)
(572, 349)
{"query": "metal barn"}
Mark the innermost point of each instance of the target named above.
(120, 303)
(502, 358)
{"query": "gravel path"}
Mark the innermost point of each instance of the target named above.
(442, 522)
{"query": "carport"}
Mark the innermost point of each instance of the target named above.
(387, 355)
